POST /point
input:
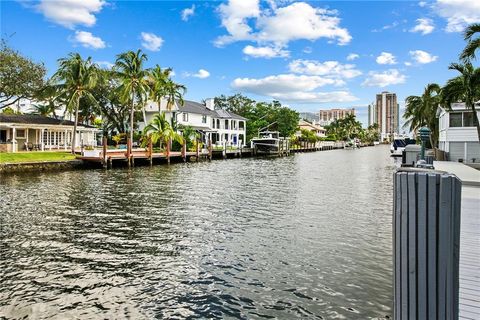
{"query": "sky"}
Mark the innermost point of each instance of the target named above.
(310, 55)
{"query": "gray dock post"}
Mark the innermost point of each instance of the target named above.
(426, 245)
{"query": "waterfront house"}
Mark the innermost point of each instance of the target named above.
(27, 132)
(318, 130)
(219, 126)
(457, 133)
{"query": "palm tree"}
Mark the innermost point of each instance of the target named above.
(174, 92)
(464, 88)
(473, 44)
(45, 110)
(76, 79)
(422, 111)
(160, 130)
(189, 134)
(133, 77)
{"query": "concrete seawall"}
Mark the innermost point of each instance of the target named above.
(6, 168)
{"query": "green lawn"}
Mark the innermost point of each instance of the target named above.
(35, 156)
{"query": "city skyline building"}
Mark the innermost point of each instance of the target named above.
(329, 115)
(387, 111)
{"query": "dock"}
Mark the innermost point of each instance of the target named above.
(108, 157)
(469, 295)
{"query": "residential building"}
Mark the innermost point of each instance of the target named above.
(318, 130)
(219, 126)
(20, 132)
(328, 116)
(372, 114)
(457, 133)
(387, 113)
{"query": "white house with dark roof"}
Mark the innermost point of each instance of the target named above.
(219, 126)
(26, 132)
(458, 134)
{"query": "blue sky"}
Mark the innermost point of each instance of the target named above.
(309, 55)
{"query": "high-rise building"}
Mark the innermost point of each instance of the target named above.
(387, 115)
(328, 116)
(372, 114)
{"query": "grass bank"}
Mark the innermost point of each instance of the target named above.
(35, 156)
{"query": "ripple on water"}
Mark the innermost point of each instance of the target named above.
(306, 236)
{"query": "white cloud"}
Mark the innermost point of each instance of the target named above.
(151, 41)
(386, 58)
(424, 25)
(295, 88)
(279, 25)
(201, 74)
(105, 64)
(70, 13)
(459, 13)
(330, 69)
(383, 79)
(422, 4)
(265, 52)
(408, 64)
(88, 40)
(188, 12)
(307, 50)
(352, 56)
(422, 57)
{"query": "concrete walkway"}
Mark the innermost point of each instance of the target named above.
(468, 175)
(469, 237)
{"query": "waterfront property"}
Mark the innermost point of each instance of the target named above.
(28, 132)
(318, 130)
(458, 134)
(326, 117)
(219, 126)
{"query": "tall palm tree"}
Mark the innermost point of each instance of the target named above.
(133, 77)
(157, 79)
(174, 92)
(160, 130)
(464, 88)
(473, 44)
(76, 79)
(422, 111)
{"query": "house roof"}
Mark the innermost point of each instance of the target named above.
(198, 108)
(36, 119)
(303, 123)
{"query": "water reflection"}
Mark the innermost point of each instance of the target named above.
(307, 236)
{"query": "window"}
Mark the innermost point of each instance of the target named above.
(213, 123)
(185, 117)
(468, 119)
(240, 124)
(226, 124)
(456, 119)
(218, 123)
(204, 119)
(21, 133)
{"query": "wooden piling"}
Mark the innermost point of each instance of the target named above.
(168, 150)
(150, 150)
(104, 152)
(198, 149)
(184, 151)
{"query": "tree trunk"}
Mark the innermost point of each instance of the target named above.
(475, 122)
(132, 112)
(74, 135)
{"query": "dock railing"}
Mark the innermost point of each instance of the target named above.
(426, 244)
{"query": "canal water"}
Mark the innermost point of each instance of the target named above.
(306, 236)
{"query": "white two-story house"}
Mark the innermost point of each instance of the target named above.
(458, 134)
(219, 126)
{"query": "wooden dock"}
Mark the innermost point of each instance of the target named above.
(107, 157)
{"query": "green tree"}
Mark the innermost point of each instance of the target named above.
(473, 43)
(190, 136)
(133, 78)
(76, 79)
(20, 76)
(160, 130)
(422, 111)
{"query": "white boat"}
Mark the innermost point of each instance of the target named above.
(268, 142)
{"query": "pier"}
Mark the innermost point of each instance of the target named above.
(132, 156)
